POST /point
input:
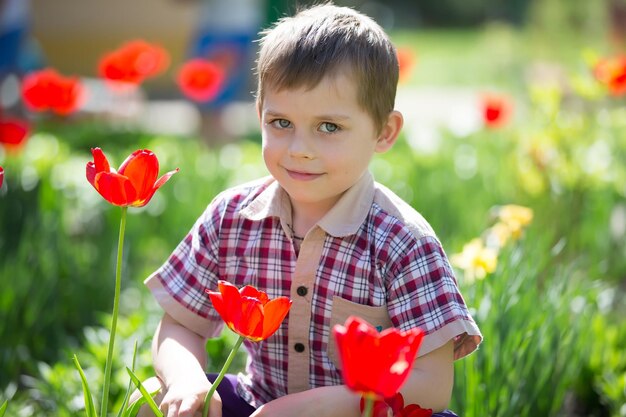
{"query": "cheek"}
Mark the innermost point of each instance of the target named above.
(356, 154)
(270, 152)
(265, 152)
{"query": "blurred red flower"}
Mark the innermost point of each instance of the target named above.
(248, 311)
(13, 133)
(406, 62)
(133, 62)
(200, 80)
(414, 410)
(394, 406)
(133, 184)
(611, 72)
(496, 109)
(1, 176)
(48, 90)
(395, 351)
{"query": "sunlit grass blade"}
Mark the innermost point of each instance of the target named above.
(90, 408)
(122, 411)
(133, 410)
(3, 407)
(146, 395)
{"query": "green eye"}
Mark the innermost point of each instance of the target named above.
(329, 127)
(280, 123)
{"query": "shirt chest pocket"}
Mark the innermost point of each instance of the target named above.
(377, 316)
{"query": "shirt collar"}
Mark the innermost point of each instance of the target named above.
(344, 219)
(348, 214)
(271, 202)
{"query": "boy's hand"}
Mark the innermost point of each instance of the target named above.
(185, 398)
(179, 359)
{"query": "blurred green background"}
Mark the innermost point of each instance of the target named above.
(551, 311)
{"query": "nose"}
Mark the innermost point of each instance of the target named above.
(301, 147)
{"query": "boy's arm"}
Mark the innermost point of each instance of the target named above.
(179, 358)
(429, 385)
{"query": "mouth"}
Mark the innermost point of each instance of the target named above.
(302, 176)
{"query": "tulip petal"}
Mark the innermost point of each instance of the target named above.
(100, 160)
(231, 313)
(91, 173)
(164, 178)
(251, 325)
(218, 301)
(147, 197)
(115, 188)
(396, 402)
(142, 169)
(275, 312)
(341, 340)
(250, 291)
(99, 164)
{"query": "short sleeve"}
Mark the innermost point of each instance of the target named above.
(423, 293)
(179, 284)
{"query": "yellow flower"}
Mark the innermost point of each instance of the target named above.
(497, 235)
(514, 217)
(476, 260)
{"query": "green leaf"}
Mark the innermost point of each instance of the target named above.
(133, 410)
(146, 395)
(3, 408)
(90, 408)
(123, 412)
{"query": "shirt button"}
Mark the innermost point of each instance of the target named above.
(299, 347)
(302, 291)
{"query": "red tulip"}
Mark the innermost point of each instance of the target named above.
(133, 184)
(612, 73)
(395, 351)
(406, 62)
(414, 410)
(248, 311)
(200, 80)
(1, 176)
(133, 62)
(395, 405)
(13, 133)
(48, 90)
(496, 109)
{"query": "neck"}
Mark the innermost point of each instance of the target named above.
(305, 216)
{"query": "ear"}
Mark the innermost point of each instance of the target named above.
(389, 133)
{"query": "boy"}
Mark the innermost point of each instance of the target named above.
(318, 230)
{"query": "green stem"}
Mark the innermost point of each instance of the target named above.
(368, 408)
(229, 360)
(116, 307)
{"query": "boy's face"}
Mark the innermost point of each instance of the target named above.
(317, 143)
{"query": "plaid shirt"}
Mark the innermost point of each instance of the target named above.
(372, 255)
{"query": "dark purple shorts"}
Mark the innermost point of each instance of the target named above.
(235, 406)
(232, 404)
